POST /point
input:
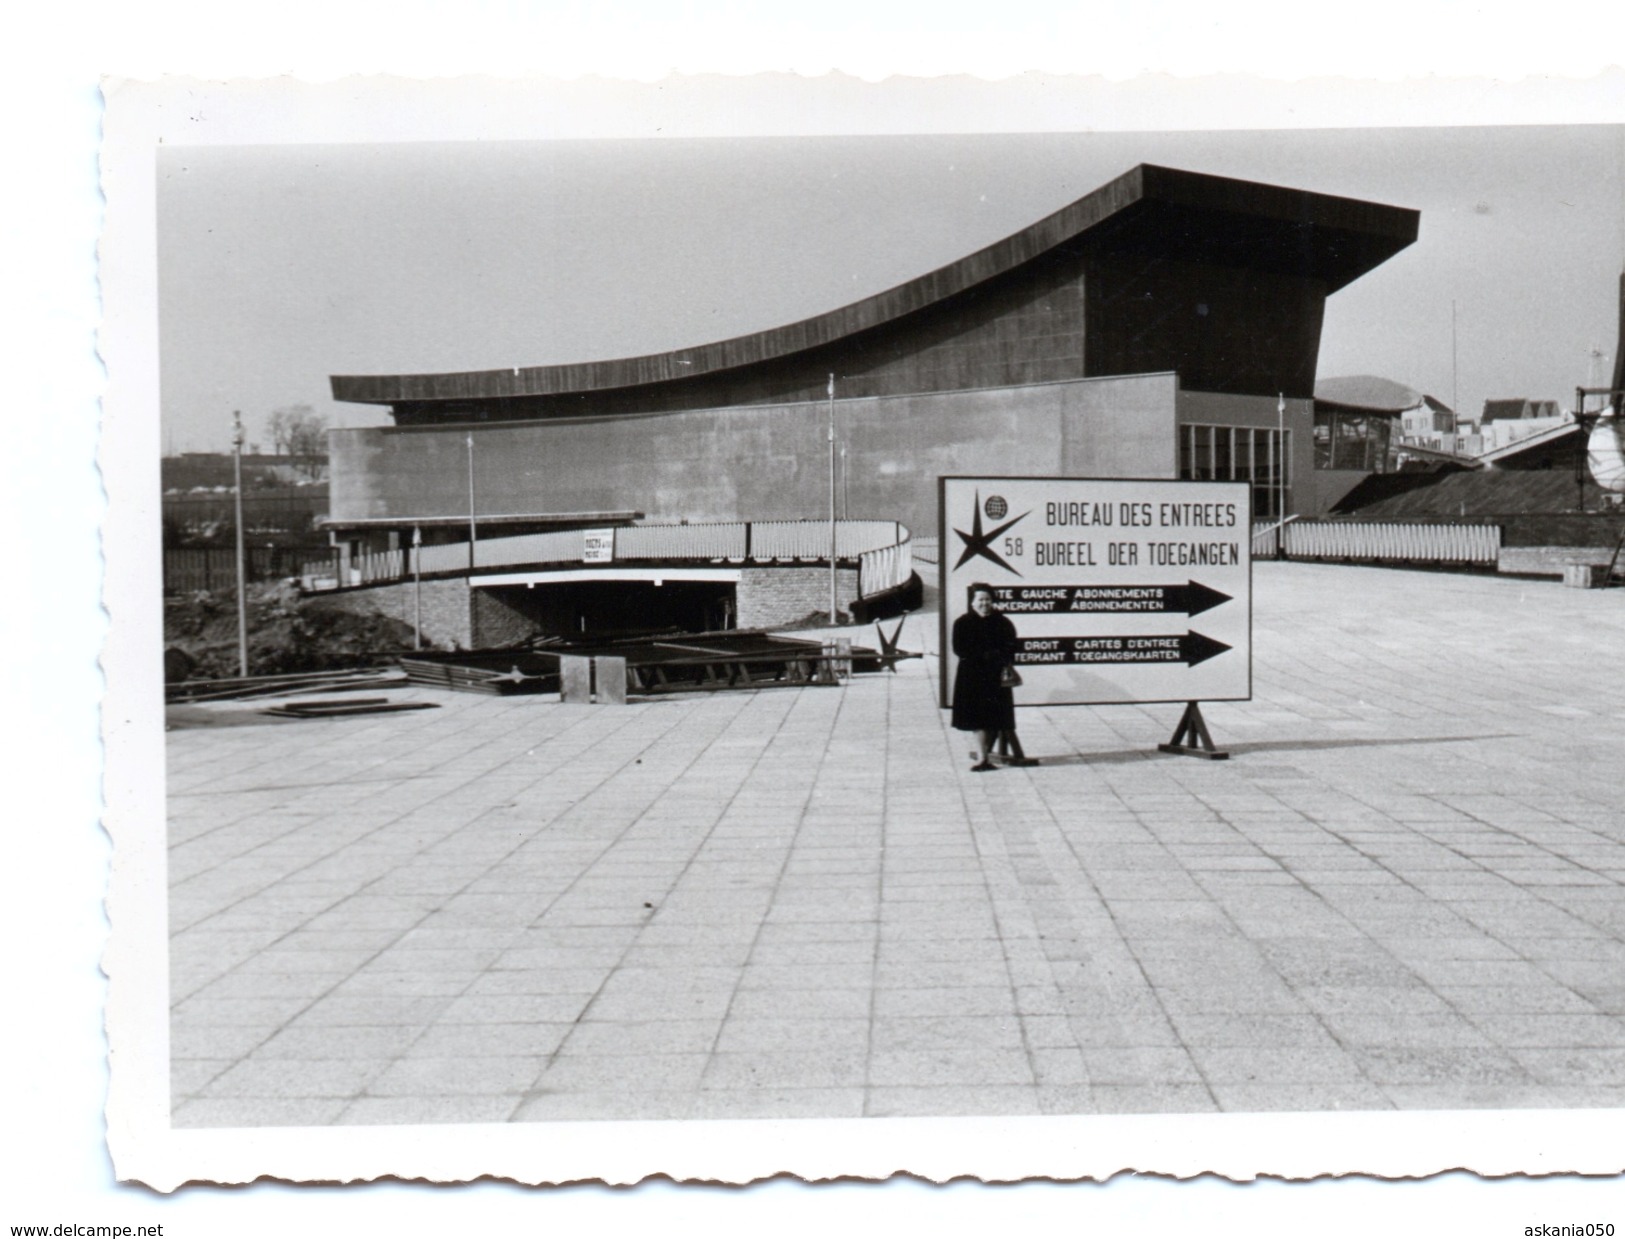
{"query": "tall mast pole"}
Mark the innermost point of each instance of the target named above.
(834, 611)
(1455, 407)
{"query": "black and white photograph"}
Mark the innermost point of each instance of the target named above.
(1102, 643)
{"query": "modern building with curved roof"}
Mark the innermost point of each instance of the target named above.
(1222, 281)
(1167, 324)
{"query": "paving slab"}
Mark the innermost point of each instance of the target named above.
(1401, 891)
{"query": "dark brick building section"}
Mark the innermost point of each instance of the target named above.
(1025, 327)
(1224, 329)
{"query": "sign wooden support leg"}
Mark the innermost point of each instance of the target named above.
(1191, 736)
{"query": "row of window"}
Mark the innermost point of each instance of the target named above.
(1238, 454)
(1254, 453)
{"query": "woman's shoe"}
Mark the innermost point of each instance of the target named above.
(982, 766)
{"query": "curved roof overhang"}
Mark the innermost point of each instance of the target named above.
(1187, 216)
(1362, 410)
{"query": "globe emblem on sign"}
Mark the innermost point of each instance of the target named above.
(995, 507)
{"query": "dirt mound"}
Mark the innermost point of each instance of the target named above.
(284, 634)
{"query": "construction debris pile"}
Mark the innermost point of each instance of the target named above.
(696, 662)
(284, 635)
(689, 662)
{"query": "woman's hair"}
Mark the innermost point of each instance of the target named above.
(979, 588)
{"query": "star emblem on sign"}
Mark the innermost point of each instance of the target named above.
(978, 543)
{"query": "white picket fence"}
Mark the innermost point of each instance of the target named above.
(1266, 539)
(1391, 543)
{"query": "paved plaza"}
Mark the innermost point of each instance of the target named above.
(1402, 891)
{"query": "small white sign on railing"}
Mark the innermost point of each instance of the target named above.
(597, 546)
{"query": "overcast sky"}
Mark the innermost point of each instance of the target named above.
(281, 265)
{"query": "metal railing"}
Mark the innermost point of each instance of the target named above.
(880, 547)
(526, 548)
(214, 568)
(370, 568)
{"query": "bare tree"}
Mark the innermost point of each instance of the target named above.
(279, 426)
(298, 432)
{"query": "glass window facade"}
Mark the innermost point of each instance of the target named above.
(1237, 454)
(1345, 440)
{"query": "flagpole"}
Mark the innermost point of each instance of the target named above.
(834, 606)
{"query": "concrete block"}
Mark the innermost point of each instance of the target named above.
(575, 679)
(1582, 574)
(609, 676)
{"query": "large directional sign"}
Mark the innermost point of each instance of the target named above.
(1120, 590)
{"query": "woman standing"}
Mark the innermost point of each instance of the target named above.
(984, 641)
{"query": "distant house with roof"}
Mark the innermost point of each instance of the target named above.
(1507, 423)
(1430, 423)
(1534, 443)
(1518, 409)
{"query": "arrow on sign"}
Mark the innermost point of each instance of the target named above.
(1190, 648)
(1191, 598)
(1198, 649)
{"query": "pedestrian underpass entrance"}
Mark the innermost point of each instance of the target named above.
(604, 604)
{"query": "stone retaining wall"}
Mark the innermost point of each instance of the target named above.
(772, 596)
(447, 617)
(1551, 560)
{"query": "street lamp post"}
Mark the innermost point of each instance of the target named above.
(846, 488)
(1280, 465)
(242, 573)
(472, 531)
(417, 587)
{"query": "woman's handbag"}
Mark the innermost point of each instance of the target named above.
(1010, 678)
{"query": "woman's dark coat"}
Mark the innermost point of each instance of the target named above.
(984, 646)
